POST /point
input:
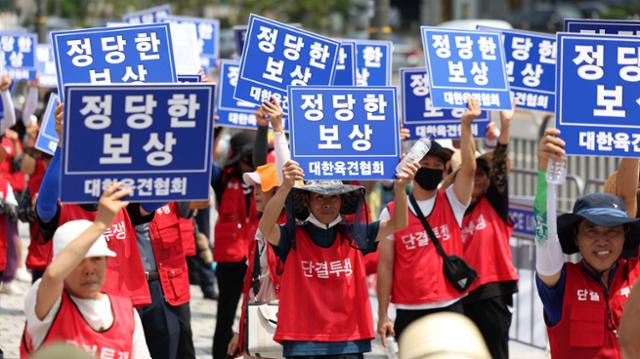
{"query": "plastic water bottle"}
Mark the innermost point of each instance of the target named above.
(557, 171)
(391, 347)
(418, 150)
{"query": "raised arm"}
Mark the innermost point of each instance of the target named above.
(281, 145)
(261, 144)
(31, 102)
(47, 202)
(9, 111)
(499, 166)
(269, 222)
(627, 184)
(66, 261)
(400, 217)
(549, 260)
(463, 184)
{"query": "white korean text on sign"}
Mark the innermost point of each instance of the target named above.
(598, 110)
(148, 16)
(46, 66)
(466, 63)
(424, 120)
(232, 112)
(156, 139)
(277, 55)
(345, 132)
(373, 62)
(346, 66)
(531, 68)
(18, 54)
(140, 54)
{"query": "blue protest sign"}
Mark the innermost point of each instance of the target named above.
(531, 67)
(465, 63)
(598, 101)
(239, 36)
(139, 53)
(524, 224)
(46, 66)
(18, 54)
(156, 139)
(373, 62)
(148, 16)
(232, 112)
(334, 129)
(189, 78)
(277, 55)
(47, 136)
(424, 120)
(346, 66)
(601, 26)
(208, 34)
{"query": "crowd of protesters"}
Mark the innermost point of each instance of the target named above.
(114, 277)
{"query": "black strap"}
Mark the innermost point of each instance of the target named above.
(426, 225)
(255, 272)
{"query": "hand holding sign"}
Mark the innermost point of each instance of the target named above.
(111, 203)
(273, 109)
(5, 83)
(471, 113)
(291, 173)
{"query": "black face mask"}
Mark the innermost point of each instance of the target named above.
(428, 178)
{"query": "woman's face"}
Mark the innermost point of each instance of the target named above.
(86, 280)
(324, 208)
(261, 197)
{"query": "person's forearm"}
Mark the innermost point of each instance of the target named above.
(30, 105)
(399, 218)
(503, 139)
(261, 146)
(71, 256)
(269, 219)
(467, 149)
(282, 154)
(47, 203)
(383, 288)
(549, 258)
(9, 111)
(499, 167)
(627, 184)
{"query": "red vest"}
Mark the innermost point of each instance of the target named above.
(485, 237)
(4, 188)
(169, 254)
(69, 326)
(585, 330)
(125, 275)
(39, 254)
(325, 293)
(236, 226)
(16, 178)
(417, 266)
(188, 235)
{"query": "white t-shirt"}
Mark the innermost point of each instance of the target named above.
(96, 312)
(426, 206)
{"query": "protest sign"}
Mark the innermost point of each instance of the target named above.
(373, 62)
(239, 36)
(346, 66)
(463, 63)
(184, 38)
(47, 136)
(531, 67)
(232, 112)
(18, 54)
(189, 78)
(424, 120)
(46, 66)
(138, 53)
(598, 102)
(601, 26)
(277, 55)
(208, 33)
(345, 132)
(156, 139)
(148, 16)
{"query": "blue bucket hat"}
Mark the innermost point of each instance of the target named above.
(601, 209)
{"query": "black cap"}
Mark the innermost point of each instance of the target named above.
(439, 151)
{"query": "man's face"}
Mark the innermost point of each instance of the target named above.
(324, 208)
(600, 246)
(86, 280)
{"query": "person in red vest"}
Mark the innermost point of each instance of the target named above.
(410, 269)
(234, 233)
(69, 304)
(324, 303)
(582, 301)
(486, 232)
(126, 273)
